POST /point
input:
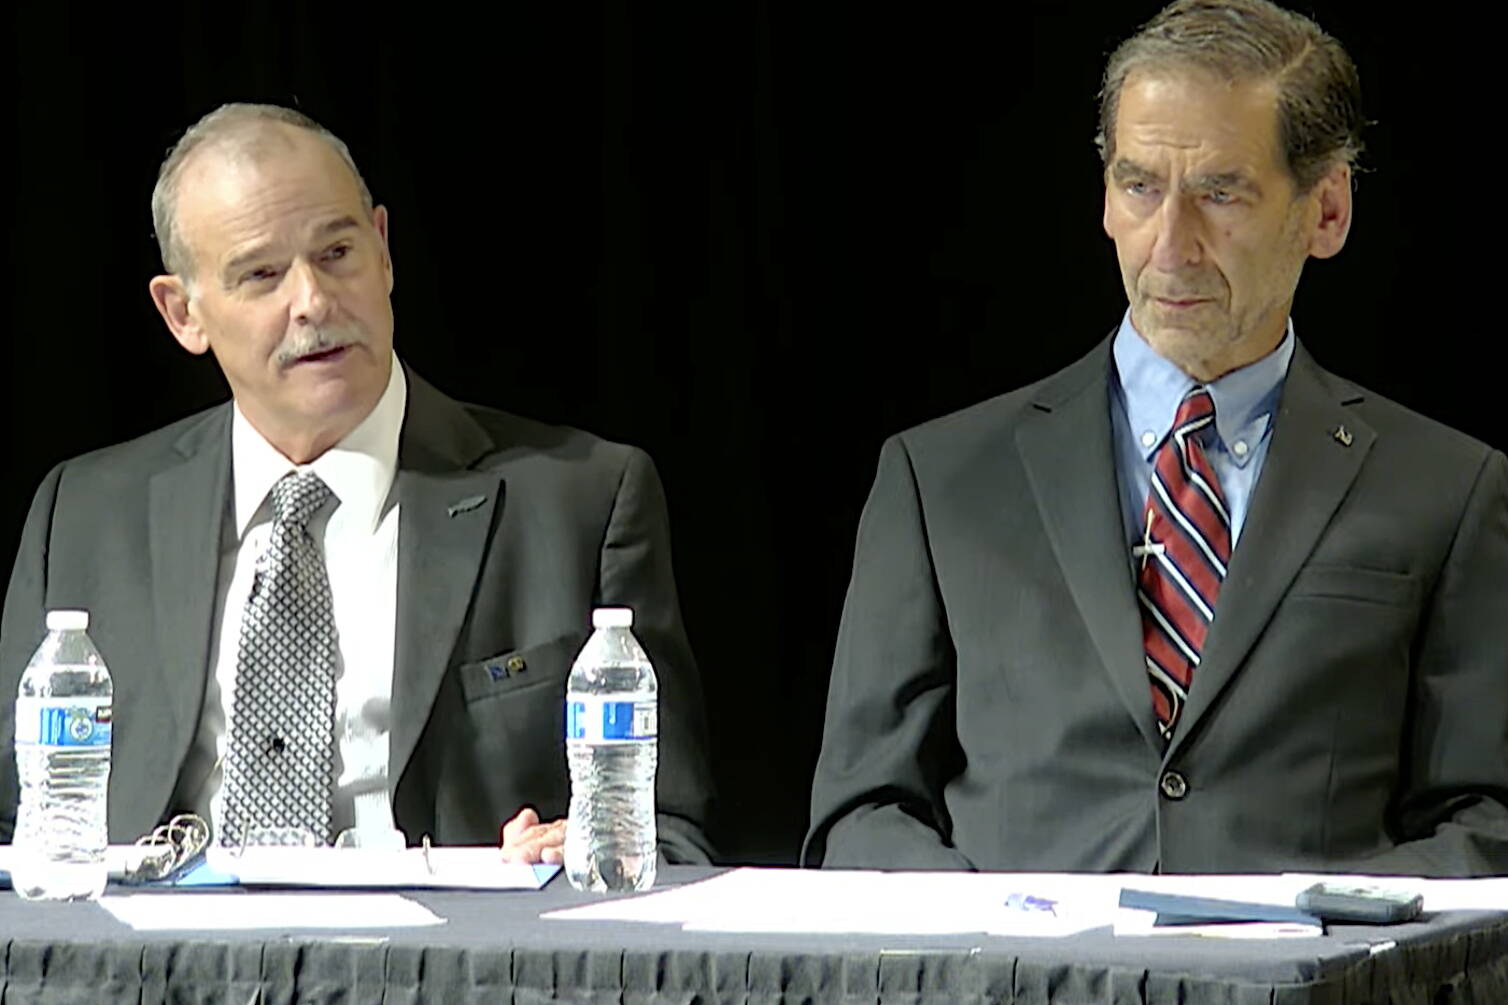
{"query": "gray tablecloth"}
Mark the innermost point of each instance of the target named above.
(495, 948)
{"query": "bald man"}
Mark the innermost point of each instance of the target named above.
(437, 562)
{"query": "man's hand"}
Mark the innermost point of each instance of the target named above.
(526, 840)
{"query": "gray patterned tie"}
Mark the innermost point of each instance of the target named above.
(280, 764)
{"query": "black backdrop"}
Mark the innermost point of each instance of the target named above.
(754, 239)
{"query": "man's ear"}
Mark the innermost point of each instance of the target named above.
(171, 296)
(379, 221)
(1332, 194)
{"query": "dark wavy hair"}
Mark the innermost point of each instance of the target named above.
(1319, 93)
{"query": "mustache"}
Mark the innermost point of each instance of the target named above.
(321, 339)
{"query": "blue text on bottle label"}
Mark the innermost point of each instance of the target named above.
(606, 719)
(64, 722)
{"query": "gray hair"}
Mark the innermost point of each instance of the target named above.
(230, 123)
(1319, 92)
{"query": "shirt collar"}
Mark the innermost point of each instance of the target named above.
(1151, 388)
(358, 470)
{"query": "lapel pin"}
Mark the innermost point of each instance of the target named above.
(1343, 436)
(465, 505)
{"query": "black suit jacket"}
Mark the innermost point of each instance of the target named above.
(989, 707)
(510, 532)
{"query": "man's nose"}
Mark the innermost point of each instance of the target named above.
(1180, 237)
(311, 301)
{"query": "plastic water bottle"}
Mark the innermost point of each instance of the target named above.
(612, 726)
(63, 760)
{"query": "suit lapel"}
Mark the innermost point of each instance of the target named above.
(1066, 448)
(1318, 446)
(446, 514)
(186, 513)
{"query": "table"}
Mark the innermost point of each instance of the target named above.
(495, 948)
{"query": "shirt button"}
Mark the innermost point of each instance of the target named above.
(1173, 785)
(1148, 438)
(1239, 447)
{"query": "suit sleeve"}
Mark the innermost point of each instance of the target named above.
(1451, 815)
(20, 630)
(636, 572)
(890, 743)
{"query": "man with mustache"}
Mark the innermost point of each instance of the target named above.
(1193, 604)
(341, 601)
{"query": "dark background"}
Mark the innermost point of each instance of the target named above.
(753, 239)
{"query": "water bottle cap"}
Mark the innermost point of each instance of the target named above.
(64, 621)
(613, 617)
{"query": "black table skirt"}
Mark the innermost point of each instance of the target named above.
(495, 948)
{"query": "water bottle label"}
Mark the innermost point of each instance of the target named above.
(63, 722)
(609, 719)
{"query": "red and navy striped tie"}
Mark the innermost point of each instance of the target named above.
(1183, 558)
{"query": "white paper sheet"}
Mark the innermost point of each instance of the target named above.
(803, 900)
(282, 911)
(452, 868)
(671, 906)
(930, 903)
(440, 868)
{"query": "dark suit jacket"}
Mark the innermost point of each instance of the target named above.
(989, 707)
(510, 531)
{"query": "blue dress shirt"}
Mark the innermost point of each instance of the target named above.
(1144, 399)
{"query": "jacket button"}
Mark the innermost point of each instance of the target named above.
(516, 664)
(1174, 785)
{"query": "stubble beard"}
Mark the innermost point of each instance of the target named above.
(1200, 344)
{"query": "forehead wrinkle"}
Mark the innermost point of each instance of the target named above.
(1162, 134)
(1124, 171)
(1213, 126)
(1196, 167)
(233, 194)
(1191, 139)
(261, 248)
(263, 238)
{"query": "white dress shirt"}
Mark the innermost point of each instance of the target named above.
(358, 536)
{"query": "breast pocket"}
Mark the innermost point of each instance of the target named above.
(507, 745)
(1344, 582)
(507, 673)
